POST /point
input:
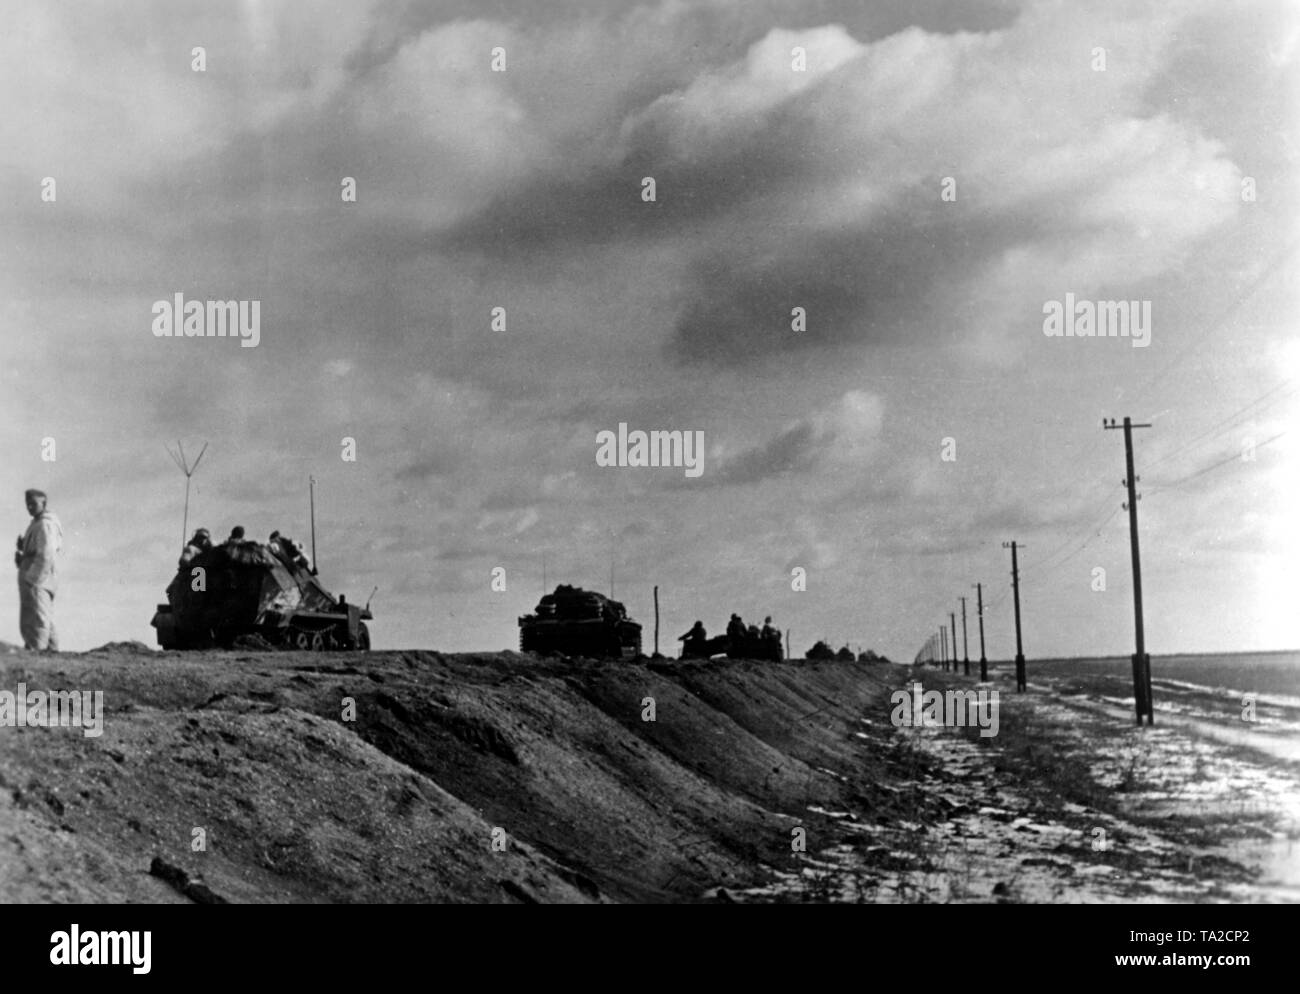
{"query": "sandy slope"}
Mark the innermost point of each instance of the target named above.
(596, 803)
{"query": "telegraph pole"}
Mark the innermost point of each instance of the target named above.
(952, 620)
(656, 619)
(984, 663)
(965, 647)
(1015, 585)
(1141, 661)
(943, 639)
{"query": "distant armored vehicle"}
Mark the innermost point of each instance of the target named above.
(577, 622)
(246, 589)
(820, 651)
(736, 646)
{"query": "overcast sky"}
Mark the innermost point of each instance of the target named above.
(775, 189)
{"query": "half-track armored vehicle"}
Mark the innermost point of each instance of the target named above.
(253, 591)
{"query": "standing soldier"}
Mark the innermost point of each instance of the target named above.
(36, 575)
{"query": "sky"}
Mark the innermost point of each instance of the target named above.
(923, 180)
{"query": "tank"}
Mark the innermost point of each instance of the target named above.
(576, 622)
(249, 590)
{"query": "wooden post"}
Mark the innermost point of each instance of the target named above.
(953, 621)
(656, 619)
(1021, 683)
(1141, 661)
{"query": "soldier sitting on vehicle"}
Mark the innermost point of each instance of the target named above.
(200, 543)
(768, 631)
(735, 628)
(695, 637)
(281, 547)
(296, 554)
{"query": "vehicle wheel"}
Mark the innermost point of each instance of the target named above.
(363, 638)
(318, 642)
(302, 640)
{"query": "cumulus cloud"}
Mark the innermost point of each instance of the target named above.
(824, 187)
(842, 434)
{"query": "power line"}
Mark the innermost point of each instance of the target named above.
(1225, 314)
(1095, 533)
(1042, 564)
(1224, 423)
(1222, 462)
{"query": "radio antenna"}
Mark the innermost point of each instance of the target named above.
(315, 567)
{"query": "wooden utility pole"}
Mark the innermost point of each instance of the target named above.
(979, 602)
(966, 651)
(952, 621)
(1015, 586)
(1141, 661)
(943, 636)
(656, 619)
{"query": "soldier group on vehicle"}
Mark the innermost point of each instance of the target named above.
(740, 641)
(281, 546)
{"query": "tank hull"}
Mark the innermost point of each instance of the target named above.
(591, 639)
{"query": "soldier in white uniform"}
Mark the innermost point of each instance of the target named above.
(37, 580)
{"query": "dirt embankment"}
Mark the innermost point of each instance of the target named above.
(239, 777)
(415, 776)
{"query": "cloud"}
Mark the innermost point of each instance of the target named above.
(824, 189)
(842, 434)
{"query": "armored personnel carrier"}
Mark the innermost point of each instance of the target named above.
(246, 589)
(576, 622)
